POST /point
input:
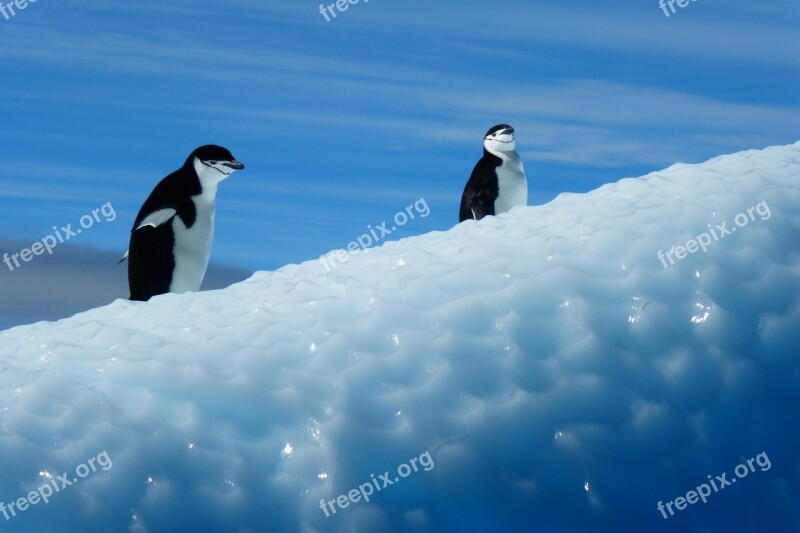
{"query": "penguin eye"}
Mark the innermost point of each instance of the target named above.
(212, 162)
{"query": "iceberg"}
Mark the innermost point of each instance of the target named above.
(575, 366)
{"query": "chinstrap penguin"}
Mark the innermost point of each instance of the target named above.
(171, 238)
(498, 180)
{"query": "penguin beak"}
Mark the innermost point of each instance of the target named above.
(234, 165)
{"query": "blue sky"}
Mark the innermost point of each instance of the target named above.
(342, 124)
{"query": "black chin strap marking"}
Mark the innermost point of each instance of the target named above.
(215, 168)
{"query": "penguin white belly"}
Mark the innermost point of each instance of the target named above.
(512, 187)
(192, 249)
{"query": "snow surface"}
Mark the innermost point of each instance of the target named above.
(559, 376)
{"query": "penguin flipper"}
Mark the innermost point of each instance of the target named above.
(475, 205)
(157, 218)
(154, 219)
(151, 262)
(480, 192)
(149, 273)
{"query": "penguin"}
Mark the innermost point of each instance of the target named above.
(498, 180)
(170, 242)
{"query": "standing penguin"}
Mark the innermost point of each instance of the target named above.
(171, 237)
(498, 180)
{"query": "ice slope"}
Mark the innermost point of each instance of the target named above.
(559, 376)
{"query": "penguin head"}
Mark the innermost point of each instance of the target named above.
(213, 164)
(500, 139)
